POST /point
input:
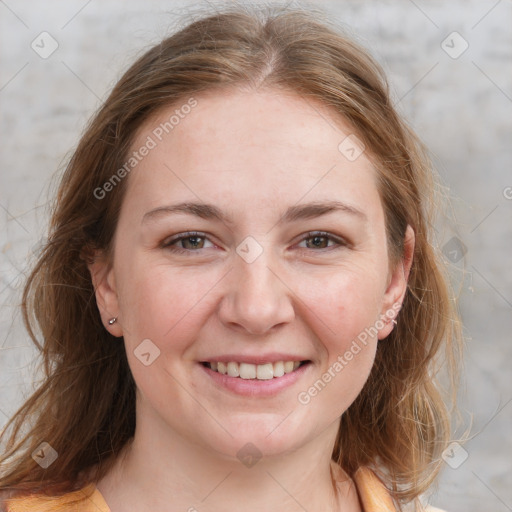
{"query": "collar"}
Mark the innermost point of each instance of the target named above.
(373, 494)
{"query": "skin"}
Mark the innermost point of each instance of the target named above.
(252, 154)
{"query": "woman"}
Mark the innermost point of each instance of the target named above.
(239, 304)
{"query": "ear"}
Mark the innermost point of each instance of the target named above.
(397, 286)
(102, 275)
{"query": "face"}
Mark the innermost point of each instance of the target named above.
(283, 262)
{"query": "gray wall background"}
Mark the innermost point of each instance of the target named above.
(459, 103)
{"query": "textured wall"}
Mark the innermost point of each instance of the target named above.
(449, 65)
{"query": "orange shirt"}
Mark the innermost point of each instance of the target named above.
(373, 495)
(37, 503)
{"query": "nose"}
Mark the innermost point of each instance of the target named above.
(257, 299)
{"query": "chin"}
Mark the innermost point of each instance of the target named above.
(256, 435)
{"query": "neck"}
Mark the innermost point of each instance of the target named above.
(161, 470)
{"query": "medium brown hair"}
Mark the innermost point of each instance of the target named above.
(85, 407)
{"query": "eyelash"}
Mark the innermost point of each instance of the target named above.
(194, 234)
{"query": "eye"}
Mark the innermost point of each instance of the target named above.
(321, 239)
(193, 241)
(189, 241)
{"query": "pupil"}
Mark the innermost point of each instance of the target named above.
(195, 240)
(317, 240)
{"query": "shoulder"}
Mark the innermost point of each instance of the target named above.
(87, 499)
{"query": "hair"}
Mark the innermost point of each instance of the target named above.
(85, 406)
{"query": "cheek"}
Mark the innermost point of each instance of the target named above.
(166, 307)
(342, 304)
(161, 304)
(343, 310)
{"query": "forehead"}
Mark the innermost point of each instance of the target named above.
(232, 118)
(269, 146)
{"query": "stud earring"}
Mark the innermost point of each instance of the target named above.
(112, 321)
(394, 322)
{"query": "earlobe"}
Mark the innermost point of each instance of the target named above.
(103, 280)
(397, 286)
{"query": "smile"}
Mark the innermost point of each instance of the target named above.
(247, 371)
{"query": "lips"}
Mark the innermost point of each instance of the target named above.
(254, 379)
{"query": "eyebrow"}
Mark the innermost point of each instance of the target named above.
(292, 214)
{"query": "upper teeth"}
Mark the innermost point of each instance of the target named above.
(255, 371)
